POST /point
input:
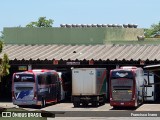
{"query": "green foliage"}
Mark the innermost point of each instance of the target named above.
(4, 63)
(1, 46)
(2, 35)
(42, 22)
(153, 30)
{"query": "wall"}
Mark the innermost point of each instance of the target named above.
(59, 35)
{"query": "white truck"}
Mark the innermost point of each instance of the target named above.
(89, 85)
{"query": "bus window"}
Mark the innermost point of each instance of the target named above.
(121, 74)
(53, 79)
(42, 79)
(24, 78)
(49, 80)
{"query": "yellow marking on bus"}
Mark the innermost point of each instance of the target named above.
(129, 91)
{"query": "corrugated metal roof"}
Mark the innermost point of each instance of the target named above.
(81, 52)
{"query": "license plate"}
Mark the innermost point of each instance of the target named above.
(122, 103)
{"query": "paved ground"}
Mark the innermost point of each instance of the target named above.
(105, 109)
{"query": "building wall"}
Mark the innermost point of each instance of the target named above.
(122, 34)
(60, 35)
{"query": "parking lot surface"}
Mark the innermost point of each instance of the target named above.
(106, 110)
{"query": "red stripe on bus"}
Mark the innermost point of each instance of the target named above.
(50, 101)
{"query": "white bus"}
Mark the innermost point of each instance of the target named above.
(36, 87)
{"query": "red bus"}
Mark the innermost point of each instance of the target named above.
(37, 87)
(126, 86)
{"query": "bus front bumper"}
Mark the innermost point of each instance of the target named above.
(125, 104)
(26, 102)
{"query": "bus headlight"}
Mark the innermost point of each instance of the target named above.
(35, 98)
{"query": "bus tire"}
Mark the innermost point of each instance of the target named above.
(43, 103)
(115, 107)
(20, 106)
(94, 104)
(58, 98)
(103, 100)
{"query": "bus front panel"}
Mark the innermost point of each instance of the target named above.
(23, 91)
(121, 88)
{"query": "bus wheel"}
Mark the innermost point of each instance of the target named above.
(94, 104)
(103, 100)
(20, 106)
(115, 107)
(43, 103)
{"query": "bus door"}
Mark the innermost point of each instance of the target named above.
(52, 87)
(58, 87)
(52, 83)
(23, 87)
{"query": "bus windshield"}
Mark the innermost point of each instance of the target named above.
(121, 74)
(24, 78)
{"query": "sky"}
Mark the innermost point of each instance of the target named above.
(14, 13)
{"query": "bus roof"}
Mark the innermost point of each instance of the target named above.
(152, 67)
(127, 68)
(34, 71)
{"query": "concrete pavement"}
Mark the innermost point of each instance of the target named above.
(69, 107)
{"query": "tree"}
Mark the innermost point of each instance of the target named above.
(2, 35)
(4, 63)
(42, 22)
(153, 30)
